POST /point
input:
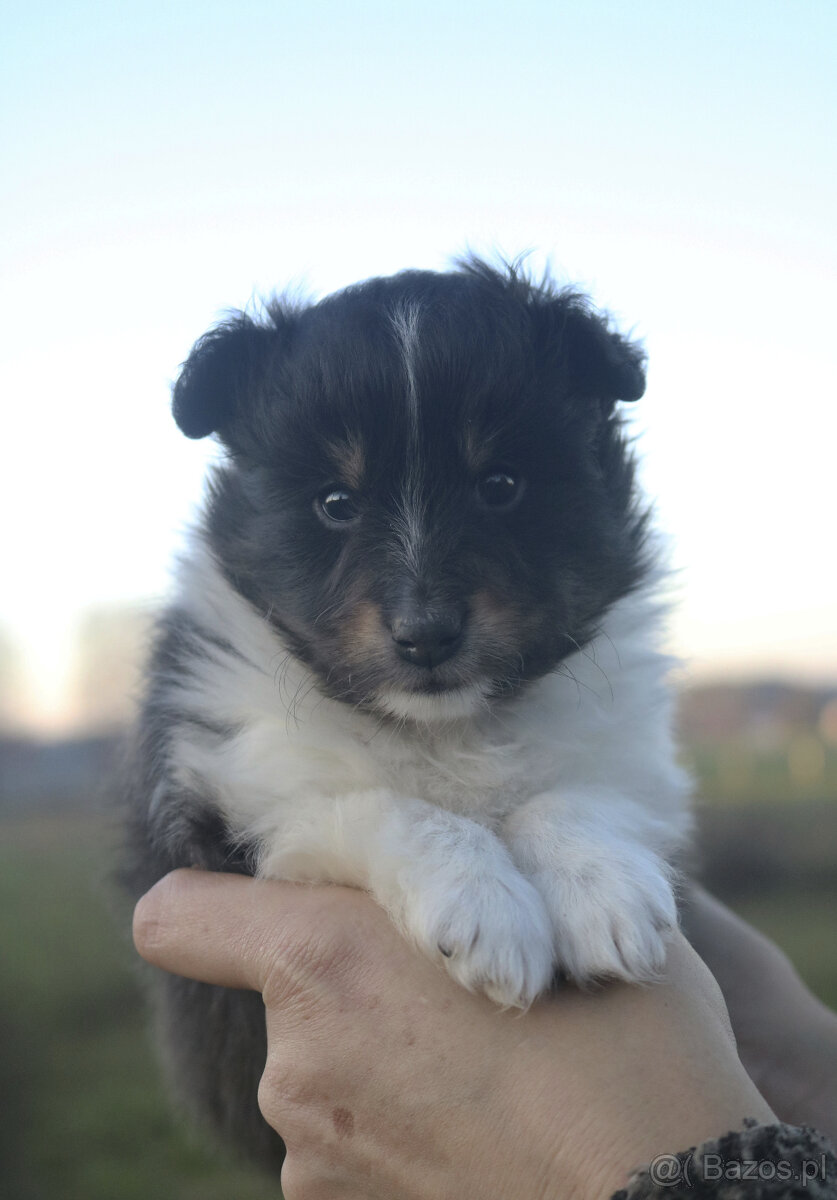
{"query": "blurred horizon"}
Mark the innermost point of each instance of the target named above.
(98, 691)
(676, 162)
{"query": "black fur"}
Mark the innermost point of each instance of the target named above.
(213, 1038)
(535, 374)
(517, 380)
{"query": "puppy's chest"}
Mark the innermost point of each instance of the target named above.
(274, 756)
(267, 766)
(469, 774)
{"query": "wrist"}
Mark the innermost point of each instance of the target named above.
(589, 1150)
(656, 1072)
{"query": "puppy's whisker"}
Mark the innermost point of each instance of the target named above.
(602, 632)
(585, 653)
(563, 669)
(328, 611)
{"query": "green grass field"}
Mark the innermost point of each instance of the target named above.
(86, 1117)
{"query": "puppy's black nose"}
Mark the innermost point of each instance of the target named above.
(426, 639)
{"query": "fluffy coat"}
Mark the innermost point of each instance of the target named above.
(414, 647)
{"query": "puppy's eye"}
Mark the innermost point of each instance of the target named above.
(499, 489)
(338, 505)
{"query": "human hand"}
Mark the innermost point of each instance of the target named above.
(786, 1038)
(388, 1080)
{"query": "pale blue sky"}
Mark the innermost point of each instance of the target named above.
(165, 161)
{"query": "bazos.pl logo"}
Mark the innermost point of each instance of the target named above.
(671, 1170)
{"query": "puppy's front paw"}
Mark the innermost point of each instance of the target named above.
(494, 934)
(612, 920)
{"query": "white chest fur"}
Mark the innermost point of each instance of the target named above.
(526, 836)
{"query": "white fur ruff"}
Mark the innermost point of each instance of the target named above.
(507, 839)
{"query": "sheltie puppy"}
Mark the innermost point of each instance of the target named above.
(414, 647)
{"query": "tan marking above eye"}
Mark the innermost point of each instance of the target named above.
(349, 460)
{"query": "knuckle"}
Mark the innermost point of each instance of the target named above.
(270, 1101)
(288, 1093)
(320, 957)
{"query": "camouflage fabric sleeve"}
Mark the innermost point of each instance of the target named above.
(759, 1162)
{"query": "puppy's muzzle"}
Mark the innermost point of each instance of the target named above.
(426, 638)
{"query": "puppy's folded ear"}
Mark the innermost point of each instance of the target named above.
(597, 363)
(220, 376)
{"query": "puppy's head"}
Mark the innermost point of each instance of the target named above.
(427, 490)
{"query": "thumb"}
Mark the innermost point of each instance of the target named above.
(236, 931)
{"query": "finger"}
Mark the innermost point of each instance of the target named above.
(233, 930)
(199, 924)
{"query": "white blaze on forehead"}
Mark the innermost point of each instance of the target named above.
(409, 525)
(406, 319)
(405, 323)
